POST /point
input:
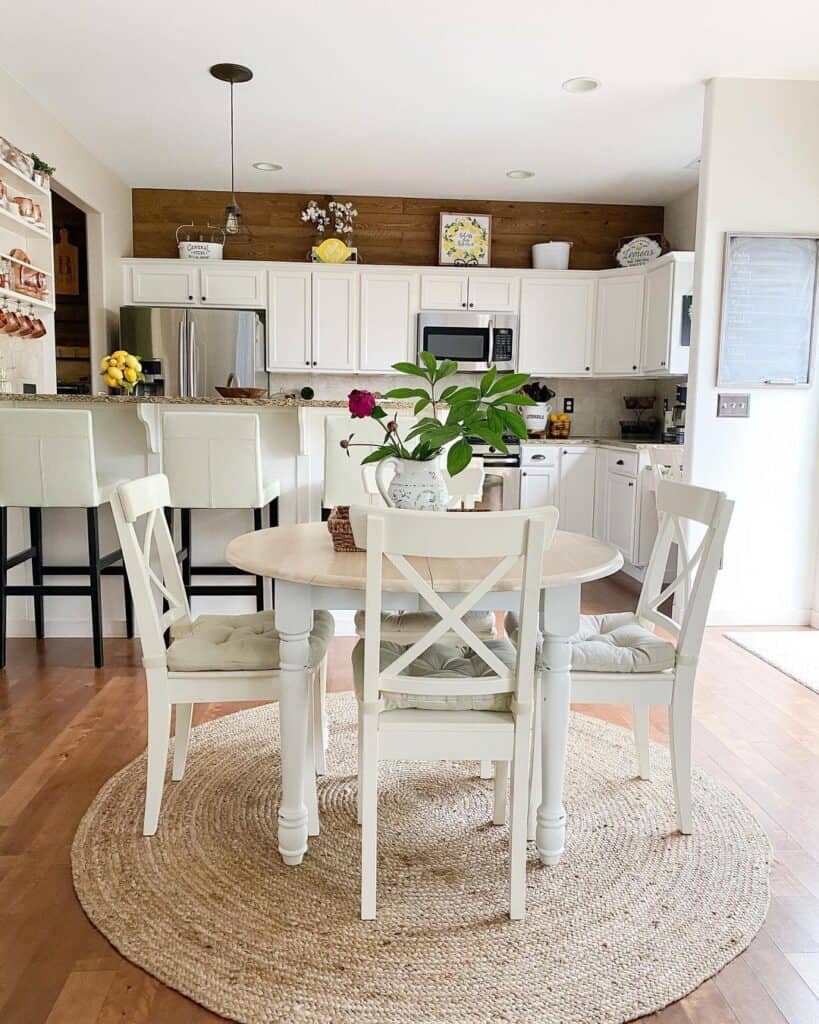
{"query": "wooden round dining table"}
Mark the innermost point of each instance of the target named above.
(310, 574)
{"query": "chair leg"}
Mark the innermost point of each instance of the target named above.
(519, 814)
(368, 780)
(486, 770)
(501, 786)
(159, 725)
(182, 733)
(93, 523)
(319, 718)
(257, 525)
(35, 525)
(640, 718)
(359, 802)
(4, 533)
(679, 721)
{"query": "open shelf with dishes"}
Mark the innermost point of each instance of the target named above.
(18, 178)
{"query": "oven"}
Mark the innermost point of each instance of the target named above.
(475, 341)
(501, 485)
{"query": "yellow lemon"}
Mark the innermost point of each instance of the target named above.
(115, 372)
(130, 374)
(112, 382)
(132, 361)
(104, 363)
(332, 250)
(119, 354)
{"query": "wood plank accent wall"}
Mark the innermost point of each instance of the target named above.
(391, 229)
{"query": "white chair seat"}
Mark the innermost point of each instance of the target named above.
(239, 643)
(442, 660)
(407, 627)
(612, 643)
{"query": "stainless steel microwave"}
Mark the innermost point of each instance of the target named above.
(476, 341)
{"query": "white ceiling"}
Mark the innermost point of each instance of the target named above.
(421, 98)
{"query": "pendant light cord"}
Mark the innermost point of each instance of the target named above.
(232, 152)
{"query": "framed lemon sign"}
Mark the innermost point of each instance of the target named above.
(464, 239)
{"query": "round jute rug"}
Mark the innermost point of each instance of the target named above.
(634, 916)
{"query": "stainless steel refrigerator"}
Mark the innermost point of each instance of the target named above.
(196, 348)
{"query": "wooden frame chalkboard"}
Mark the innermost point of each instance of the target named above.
(769, 310)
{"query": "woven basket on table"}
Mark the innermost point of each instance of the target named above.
(341, 529)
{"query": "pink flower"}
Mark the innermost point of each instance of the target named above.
(360, 404)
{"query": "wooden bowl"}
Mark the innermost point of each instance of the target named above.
(227, 392)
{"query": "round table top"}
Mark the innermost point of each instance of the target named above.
(304, 553)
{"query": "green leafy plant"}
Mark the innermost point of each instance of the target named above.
(41, 166)
(454, 414)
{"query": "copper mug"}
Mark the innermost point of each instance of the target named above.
(26, 328)
(39, 329)
(25, 207)
(11, 324)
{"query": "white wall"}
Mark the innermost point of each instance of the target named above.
(680, 221)
(760, 172)
(83, 179)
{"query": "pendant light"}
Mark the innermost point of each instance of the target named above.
(234, 225)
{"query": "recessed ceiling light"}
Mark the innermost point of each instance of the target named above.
(520, 174)
(582, 84)
(264, 165)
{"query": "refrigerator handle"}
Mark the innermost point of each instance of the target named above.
(183, 379)
(192, 368)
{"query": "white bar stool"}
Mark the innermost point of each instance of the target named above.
(214, 460)
(47, 461)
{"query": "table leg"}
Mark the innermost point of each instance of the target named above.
(560, 616)
(294, 620)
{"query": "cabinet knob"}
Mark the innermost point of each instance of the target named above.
(463, 304)
(190, 298)
(662, 363)
(588, 367)
(471, 304)
(620, 462)
(631, 483)
(306, 362)
(314, 362)
(634, 367)
(204, 298)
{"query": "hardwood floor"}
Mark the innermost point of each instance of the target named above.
(65, 728)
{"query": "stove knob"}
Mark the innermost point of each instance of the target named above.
(491, 449)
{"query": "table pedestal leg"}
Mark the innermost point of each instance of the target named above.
(294, 620)
(560, 612)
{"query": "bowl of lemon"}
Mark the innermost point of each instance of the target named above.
(121, 371)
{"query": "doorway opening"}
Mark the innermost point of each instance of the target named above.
(72, 325)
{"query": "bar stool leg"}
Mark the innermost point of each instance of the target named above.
(3, 579)
(129, 604)
(92, 519)
(169, 517)
(35, 523)
(273, 519)
(187, 557)
(257, 525)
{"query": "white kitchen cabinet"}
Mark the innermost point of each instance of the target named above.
(576, 489)
(538, 486)
(155, 283)
(619, 322)
(389, 307)
(289, 345)
(556, 325)
(334, 309)
(493, 292)
(225, 285)
(666, 324)
(486, 292)
(444, 290)
(621, 513)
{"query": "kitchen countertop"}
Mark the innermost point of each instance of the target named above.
(272, 401)
(611, 442)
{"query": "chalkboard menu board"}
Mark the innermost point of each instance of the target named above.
(768, 310)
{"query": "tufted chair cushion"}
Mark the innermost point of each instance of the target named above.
(612, 643)
(239, 643)
(446, 660)
(407, 627)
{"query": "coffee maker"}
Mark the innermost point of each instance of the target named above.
(674, 432)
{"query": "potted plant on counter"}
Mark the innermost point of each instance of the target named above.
(537, 409)
(454, 416)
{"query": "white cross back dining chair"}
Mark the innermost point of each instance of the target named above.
(210, 658)
(434, 698)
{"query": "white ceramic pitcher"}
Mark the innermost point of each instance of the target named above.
(415, 485)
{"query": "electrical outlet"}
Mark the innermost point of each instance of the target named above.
(734, 406)
(568, 405)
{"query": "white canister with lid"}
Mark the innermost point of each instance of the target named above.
(551, 255)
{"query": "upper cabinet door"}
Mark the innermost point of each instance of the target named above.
(619, 329)
(657, 318)
(556, 325)
(335, 315)
(170, 284)
(389, 308)
(226, 285)
(493, 293)
(288, 322)
(444, 290)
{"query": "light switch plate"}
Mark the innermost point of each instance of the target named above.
(568, 405)
(735, 406)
